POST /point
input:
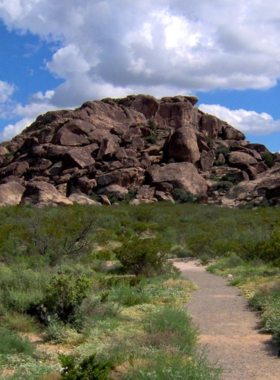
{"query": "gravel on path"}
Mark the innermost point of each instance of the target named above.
(229, 329)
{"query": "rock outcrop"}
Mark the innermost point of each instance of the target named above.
(138, 146)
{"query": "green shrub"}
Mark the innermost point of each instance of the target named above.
(152, 125)
(152, 139)
(266, 250)
(20, 322)
(22, 289)
(131, 195)
(222, 185)
(231, 177)
(12, 343)
(222, 149)
(127, 296)
(268, 160)
(269, 305)
(89, 369)
(183, 196)
(54, 331)
(138, 255)
(63, 295)
(232, 260)
(181, 252)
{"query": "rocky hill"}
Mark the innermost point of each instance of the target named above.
(137, 147)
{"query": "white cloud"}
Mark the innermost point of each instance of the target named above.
(6, 91)
(27, 114)
(246, 121)
(13, 129)
(190, 45)
(68, 62)
(164, 47)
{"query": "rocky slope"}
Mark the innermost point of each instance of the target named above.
(136, 146)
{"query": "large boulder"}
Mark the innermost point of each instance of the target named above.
(181, 175)
(260, 148)
(145, 192)
(241, 159)
(176, 115)
(146, 104)
(82, 199)
(79, 157)
(109, 146)
(207, 160)
(73, 133)
(108, 115)
(127, 177)
(16, 169)
(210, 126)
(183, 146)
(43, 194)
(266, 186)
(116, 191)
(11, 193)
(3, 151)
(230, 133)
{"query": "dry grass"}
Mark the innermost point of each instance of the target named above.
(51, 376)
(182, 284)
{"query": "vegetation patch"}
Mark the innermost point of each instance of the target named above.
(56, 284)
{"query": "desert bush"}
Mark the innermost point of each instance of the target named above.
(128, 296)
(182, 196)
(152, 125)
(50, 233)
(63, 296)
(269, 305)
(231, 177)
(152, 139)
(109, 282)
(231, 260)
(137, 255)
(223, 185)
(268, 160)
(20, 322)
(22, 289)
(12, 343)
(88, 369)
(181, 252)
(222, 149)
(266, 250)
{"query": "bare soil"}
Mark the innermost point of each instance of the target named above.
(229, 329)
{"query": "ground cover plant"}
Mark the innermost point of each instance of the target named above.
(87, 281)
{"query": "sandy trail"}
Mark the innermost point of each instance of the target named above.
(229, 328)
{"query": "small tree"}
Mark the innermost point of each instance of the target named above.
(89, 369)
(268, 159)
(138, 254)
(63, 295)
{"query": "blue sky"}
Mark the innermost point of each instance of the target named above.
(59, 54)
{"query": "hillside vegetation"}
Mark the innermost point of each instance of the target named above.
(95, 283)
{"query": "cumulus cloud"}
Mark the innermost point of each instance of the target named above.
(6, 90)
(190, 45)
(13, 129)
(27, 114)
(115, 48)
(246, 121)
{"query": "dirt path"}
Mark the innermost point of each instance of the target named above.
(229, 328)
